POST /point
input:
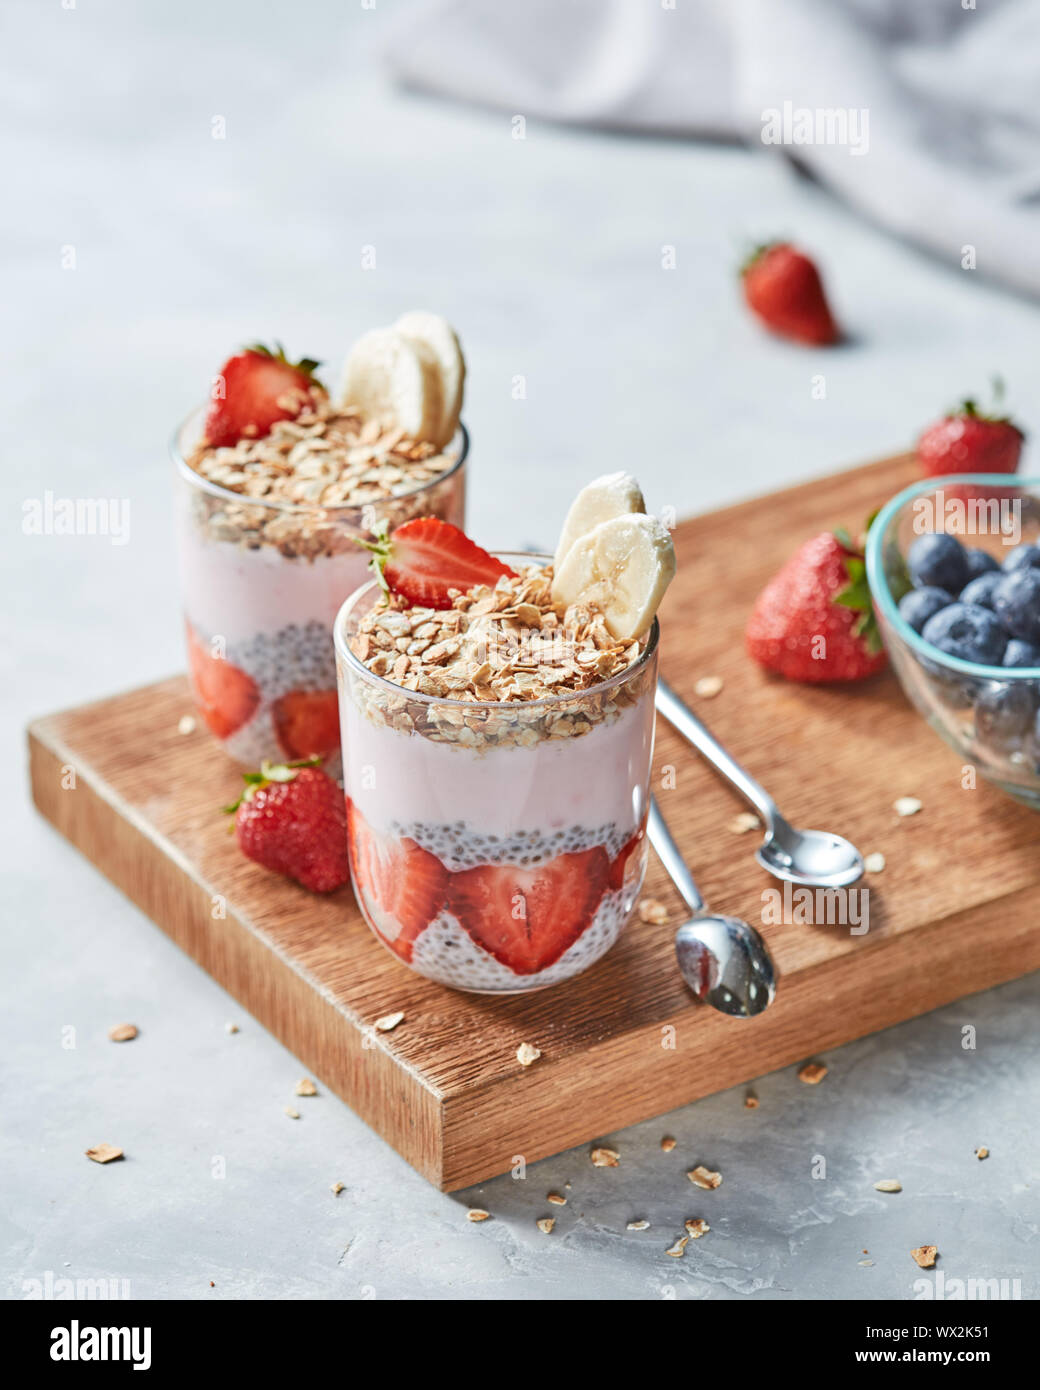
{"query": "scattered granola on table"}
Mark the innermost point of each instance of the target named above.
(653, 912)
(104, 1153)
(704, 1177)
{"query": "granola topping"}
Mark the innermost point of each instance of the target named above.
(326, 457)
(507, 645)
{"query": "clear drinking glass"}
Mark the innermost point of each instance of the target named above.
(262, 582)
(495, 847)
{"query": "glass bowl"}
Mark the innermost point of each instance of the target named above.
(494, 847)
(987, 513)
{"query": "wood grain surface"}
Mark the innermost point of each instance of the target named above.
(953, 911)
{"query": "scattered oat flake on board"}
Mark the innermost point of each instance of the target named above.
(527, 1053)
(745, 821)
(478, 1214)
(305, 1087)
(874, 863)
(605, 1158)
(708, 687)
(697, 1227)
(667, 1144)
(557, 1199)
(638, 1226)
(389, 1022)
(293, 1114)
(751, 1101)
(122, 1032)
(704, 1177)
(545, 1224)
(186, 724)
(104, 1153)
(865, 1264)
(678, 1249)
(925, 1255)
(906, 806)
(982, 1152)
(653, 911)
(812, 1073)
(337, 1188)
(230, 1027)
(888, 1185)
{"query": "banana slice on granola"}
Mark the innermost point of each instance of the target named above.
(397, 381)
(615, 494)
(622, 567)
(439, 336)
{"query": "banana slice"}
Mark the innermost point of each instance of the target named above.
(622, 567)
(396, 380)
(439, 336)
(615, 494)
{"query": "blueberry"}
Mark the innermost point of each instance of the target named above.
(1023, 557)
(1018, 653)
(968, 632)
(1005, 712)
(1016, 602)
(917, 606)
(980, 590)
(979, 562)
(938, 559)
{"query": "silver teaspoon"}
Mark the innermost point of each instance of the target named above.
(815, 858)
(724, 961)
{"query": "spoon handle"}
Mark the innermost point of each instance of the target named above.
(671, 857)
(686, 722)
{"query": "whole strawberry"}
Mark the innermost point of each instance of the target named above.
(292, 818)
(783, 287)
(967, 441)
(814, 621)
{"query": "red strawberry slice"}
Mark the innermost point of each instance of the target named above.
(226, 697)
(306, 723)
(426, 558)
(527, 918)
(258, 387)
(618, 864)
(404, 886)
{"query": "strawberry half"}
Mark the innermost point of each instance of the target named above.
(783, 288)
(306, 722)
(527, 918)
(291, 819)
(619, 863)
(226, 696)
(258, 387)
(403, 885)
(423, 560)
(814, 620)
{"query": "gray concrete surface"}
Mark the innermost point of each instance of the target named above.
(547, 254)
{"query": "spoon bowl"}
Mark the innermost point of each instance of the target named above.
(816, 858)
(725, 963)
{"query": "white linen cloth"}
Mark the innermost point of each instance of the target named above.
(951, 157)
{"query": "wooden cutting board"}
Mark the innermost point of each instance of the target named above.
(954, 910)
